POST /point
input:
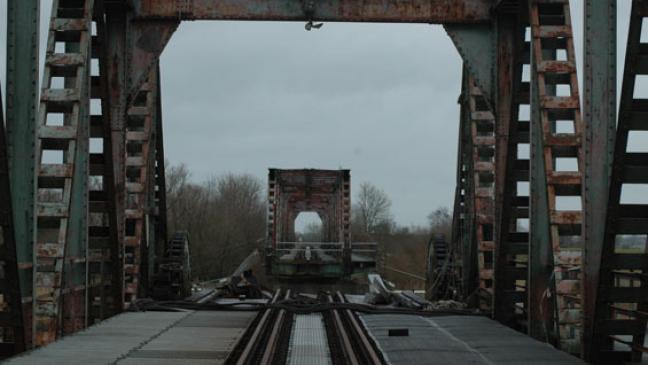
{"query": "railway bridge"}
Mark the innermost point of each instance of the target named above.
(535, 235)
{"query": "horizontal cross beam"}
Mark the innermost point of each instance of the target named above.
(385, 11)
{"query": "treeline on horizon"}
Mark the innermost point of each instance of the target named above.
(225, 217)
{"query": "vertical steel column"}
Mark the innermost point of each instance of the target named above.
(512, 203)
(616, 332)
(160, 177)
(116, 73)
(482, 138)
(62, 175)
(458, 216)
(540, 284)
(556, 177)
(139, 129)
(102, 226)
(12, 337)
(599, 108)
(470, 274)
(22, 98)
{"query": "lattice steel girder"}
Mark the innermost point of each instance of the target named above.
(396, 11)
(599, 108)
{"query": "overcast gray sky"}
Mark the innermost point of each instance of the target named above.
(379, 99)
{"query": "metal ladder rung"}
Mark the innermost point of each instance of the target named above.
(572, 217)
(559, 102)
(554, 31)
(556, 67)
(564, 178)
(47, 209)
(65, 60)
(73, 25)
(66, 132)
(61, 96)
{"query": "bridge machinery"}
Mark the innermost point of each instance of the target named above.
(81, 226)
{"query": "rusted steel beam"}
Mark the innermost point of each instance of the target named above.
(160, 177)
(139, 130)
(102, 228)
(116, 25)
(467, 233)
(482, 153)
(505, 30)
(556, 178)
(388, 11)
(145, 41)
(476, 45)
(61, 181)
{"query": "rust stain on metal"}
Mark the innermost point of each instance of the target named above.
(412, 11)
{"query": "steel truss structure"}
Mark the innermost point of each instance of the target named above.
(534, 231)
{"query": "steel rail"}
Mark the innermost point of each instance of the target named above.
(347, 347)
(273, 340)
(369, 352)
(249, 351)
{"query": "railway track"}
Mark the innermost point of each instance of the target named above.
(332, 336)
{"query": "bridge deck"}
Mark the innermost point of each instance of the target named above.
(458, 340)
(183, 338)
(207, 337)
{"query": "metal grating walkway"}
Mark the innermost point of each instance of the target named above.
(308, 342)
(459, 340)
(148, 338)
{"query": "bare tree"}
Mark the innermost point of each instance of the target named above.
(441, 221)
(225, 218)
(312, 232)
(371, 212)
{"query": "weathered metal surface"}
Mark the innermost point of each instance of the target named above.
(102, 225)
(140, 117)
(325, 192)
(556, 241)
(145, 42)
(476, 45)
(414, 11)
(23, 18)
(457, 340)
(618, 295)
(61, 199)
(509, 302)
(467, 235)
(160, 178)
(143, 338)
(482, 153)
(13, 333)
(458, 217)
(116, 25)
(599, 109)
(308, 342)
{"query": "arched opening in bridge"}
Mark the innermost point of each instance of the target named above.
(309, 227)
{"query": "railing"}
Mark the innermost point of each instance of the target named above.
(324, 251)
(309, 251)
(367, 250)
